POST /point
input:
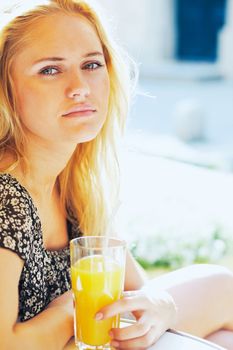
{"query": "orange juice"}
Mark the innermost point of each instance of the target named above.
(96, 281)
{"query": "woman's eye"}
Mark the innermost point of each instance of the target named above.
(49, 71)
(93, 65)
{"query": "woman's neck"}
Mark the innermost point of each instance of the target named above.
(43, 166)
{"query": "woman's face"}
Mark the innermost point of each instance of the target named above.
(61, 82)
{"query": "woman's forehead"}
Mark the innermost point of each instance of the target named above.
(62, 32)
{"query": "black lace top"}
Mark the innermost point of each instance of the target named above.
(45, 274)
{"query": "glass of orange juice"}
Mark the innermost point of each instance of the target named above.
(97, 275)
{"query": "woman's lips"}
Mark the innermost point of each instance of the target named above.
(79, 111)
(85, 113)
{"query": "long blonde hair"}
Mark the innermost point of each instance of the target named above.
(93, 168)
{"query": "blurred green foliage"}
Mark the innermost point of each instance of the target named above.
(175, 252)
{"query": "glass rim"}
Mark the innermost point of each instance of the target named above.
(122, 242)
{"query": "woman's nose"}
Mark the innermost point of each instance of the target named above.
(77, 89)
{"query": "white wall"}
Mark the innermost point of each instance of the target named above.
(145, 27)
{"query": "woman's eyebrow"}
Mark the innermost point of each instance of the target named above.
(54, 59)
(58, 59)
(95, 53)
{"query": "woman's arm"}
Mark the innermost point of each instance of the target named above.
(135, 276)
(51, 329)
(199, 290)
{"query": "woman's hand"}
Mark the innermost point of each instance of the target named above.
(154, 316)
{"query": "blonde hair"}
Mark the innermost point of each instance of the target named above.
(93, 168)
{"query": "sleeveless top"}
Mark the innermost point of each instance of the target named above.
(46, 273)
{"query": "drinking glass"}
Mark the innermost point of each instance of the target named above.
(97, 275)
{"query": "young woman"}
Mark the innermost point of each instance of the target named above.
(64, 93)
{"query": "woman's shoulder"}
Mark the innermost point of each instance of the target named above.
(10, 188)
(16, 221)
(7, 181)
(15, 201)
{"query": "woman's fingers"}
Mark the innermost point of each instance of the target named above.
(135, 330)
(127, 304)
(155, 315)
(139, 343)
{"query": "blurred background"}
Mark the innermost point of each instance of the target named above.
(177, 157)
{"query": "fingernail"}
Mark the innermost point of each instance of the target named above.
(114, 343)
(99, 316)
